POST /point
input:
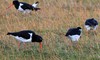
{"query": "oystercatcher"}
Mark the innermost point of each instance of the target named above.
(25, 7)
(91, 24)
(26, 36)
(74, 34)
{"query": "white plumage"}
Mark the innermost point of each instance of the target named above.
(24, 40)
(74, 37)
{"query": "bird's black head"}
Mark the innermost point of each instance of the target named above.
(79, 28)
(15, 2)
(37, 38)
(37, 2)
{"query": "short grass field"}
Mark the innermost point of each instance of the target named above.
(52, 23)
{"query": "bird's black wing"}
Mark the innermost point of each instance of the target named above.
(26, 6)
(73, 31)
(69, 32)
(25, 34)
(95, 22)
(91, 22)
(88, 22)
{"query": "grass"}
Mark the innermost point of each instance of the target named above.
(52, 23)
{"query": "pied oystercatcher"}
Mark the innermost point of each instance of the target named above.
(25, 7)
(91, 24)
(74, 34)
(26, 36)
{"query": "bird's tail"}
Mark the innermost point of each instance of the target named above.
(35, 6)
(36, 9)
(9, 33)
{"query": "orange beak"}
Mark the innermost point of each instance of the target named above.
(10, 6)
(40, 45)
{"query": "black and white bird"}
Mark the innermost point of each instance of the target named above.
(25, 7)
(91, 24)
(74, 34)
(26, 36)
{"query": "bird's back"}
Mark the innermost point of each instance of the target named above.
(73, 31)
(91, 22)
(25, 34)
(26, 6)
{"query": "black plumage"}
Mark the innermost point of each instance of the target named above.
(16, 4)
(37, 38)
(91, 22)
(26, 6)
(73, 31)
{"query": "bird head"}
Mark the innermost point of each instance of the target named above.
(36, 38)
(79, 28)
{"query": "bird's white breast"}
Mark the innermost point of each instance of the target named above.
(23, 39)
(74, 37)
